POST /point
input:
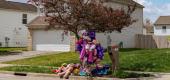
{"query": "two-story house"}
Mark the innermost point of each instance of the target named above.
(162, 26)
(50, 40)
(13, 18)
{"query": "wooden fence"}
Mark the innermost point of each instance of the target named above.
(151, 41)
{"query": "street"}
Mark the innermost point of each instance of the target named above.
(32, 77)
(13, 77)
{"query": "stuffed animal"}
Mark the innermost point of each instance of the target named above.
(76, 70)
(60, 69)
(100, 70)
(68, 70)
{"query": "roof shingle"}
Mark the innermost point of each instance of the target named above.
(38, 22)
(127, 2)
(17, 6)
(163, 20)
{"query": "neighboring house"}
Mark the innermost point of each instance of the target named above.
(51, 40)
(162, 26)
(13, 18)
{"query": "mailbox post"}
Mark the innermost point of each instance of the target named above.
(114, 56)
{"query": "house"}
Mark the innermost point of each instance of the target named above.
(13, 18)
(50, 40)
(162, 26)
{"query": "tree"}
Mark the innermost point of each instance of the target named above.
(76, 15)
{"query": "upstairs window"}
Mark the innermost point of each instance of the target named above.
(24, 18)
(164, 29)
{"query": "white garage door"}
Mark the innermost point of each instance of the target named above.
(50, 40)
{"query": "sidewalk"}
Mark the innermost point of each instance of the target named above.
(23, 55)
(163, 76)
(5, 65)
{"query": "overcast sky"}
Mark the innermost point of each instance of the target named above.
(153, 8)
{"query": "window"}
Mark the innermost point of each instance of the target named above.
(24, 19)
(164, 29)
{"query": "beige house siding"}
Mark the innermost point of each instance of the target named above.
(128, 34)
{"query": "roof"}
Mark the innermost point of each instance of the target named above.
(127, 2)
(17, 6)
(163, 20)
(38, 23)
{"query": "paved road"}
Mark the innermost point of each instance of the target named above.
(23, 55)
(32, 77)
(12, 77)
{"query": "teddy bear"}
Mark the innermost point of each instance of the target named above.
(67, 72)
(60, 69)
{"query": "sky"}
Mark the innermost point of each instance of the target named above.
(153, 8)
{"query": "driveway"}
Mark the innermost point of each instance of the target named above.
(23, 55)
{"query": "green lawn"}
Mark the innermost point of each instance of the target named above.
(11, 51)
(49, 60)
(34, 69)
(153, 60)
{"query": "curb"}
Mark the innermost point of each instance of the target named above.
(156, 74)
(53, 75)
(78, 77)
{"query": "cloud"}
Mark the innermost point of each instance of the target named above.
(147, 3)
(153, 11)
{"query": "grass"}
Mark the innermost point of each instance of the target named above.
(13, 49)
(33, 69)
(49, 60)
(123, 74)
(10, 51)
(150, 60)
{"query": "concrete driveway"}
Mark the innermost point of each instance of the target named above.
(27, 54)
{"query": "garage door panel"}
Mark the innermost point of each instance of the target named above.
(52, 47)
(50, 41)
